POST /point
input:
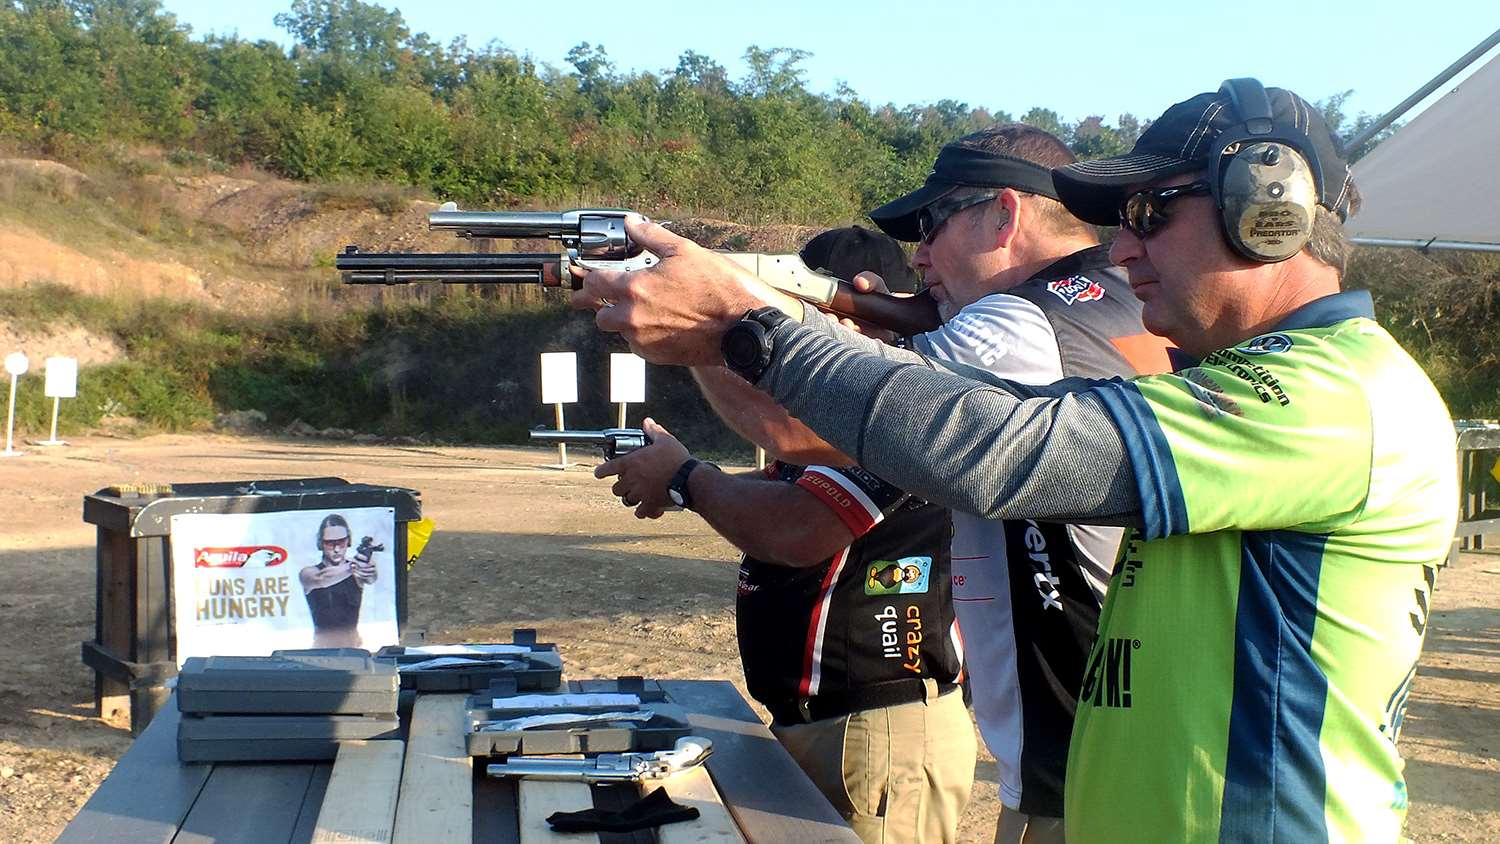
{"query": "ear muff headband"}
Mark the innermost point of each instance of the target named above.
(1265, 183)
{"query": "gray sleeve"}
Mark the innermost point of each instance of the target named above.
(996, 449)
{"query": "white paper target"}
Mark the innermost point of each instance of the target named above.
(62, 378)
(627, 378)
(559, 377)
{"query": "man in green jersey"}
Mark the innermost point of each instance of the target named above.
(1289, 497)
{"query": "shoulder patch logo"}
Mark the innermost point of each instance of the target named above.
(905, 576)
(1075, 289)
(1267, 344)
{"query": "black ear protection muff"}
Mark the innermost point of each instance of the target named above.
(1265, 179)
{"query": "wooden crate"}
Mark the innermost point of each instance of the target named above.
(134, 649)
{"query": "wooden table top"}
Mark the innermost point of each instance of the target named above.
(429, 790)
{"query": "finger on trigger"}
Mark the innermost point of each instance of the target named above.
(603, 284)
(581, 301)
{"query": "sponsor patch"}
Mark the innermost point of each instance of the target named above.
(905, 576)
(239, 556)
(1076, 289)
(1266, 344)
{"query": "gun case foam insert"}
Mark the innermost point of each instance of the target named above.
(524, 663)
(603, 716)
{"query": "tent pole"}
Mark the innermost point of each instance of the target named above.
(1374, 128)
(1426, 245)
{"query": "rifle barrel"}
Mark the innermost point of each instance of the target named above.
(543, 268)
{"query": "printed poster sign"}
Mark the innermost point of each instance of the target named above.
(250, 583)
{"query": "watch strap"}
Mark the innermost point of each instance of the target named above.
(679, 485)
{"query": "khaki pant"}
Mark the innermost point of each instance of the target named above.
(898, 774)
(1012, 827)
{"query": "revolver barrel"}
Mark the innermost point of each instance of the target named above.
(589, 233)
(612, 441)
(512, 224)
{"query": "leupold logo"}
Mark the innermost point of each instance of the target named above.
(240, 556)
(1268, 344)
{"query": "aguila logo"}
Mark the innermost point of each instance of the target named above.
(239, 556)
(1076, 289)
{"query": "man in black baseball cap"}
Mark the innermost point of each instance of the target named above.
(1187, 135)
(965, 163)
(1026, 292)
(1264, 162)
(887, 739)
(1290, 498)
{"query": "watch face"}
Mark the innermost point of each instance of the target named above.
(742, 348)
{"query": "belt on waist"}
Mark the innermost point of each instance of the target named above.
(805, 710)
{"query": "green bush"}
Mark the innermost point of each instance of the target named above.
(459, 368)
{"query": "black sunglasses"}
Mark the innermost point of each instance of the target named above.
(932, 218)
(1145, 211)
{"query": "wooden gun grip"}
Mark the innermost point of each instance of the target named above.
(905, 315)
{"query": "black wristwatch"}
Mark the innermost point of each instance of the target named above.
(749, 343)
(677, 490)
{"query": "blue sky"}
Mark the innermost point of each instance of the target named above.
(1077, 58)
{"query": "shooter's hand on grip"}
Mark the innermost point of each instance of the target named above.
(361, 566)
(676, 311)
(645, 473)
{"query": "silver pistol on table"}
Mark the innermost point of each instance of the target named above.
(689, 752)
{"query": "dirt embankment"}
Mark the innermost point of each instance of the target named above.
(275, 227)
(266, 240)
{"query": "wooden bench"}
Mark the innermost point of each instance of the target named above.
(427, 790)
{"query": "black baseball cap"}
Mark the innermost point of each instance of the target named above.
(1181, 140)
(961, 166)
(847, 252)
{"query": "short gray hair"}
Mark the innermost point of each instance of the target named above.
(1329, 243)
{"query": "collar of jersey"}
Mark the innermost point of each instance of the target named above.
(1078, 263)
(1329, 310)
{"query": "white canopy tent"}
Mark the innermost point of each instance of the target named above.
(1436, 182)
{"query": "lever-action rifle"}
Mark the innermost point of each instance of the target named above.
(595, 238)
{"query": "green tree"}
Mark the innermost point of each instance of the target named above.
(1346, 130)
(1092, 139)
(1048, 120)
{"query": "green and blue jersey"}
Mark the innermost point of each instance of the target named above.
(1263, 625)
(1290, 501)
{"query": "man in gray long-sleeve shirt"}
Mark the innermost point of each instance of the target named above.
(1290, 498)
